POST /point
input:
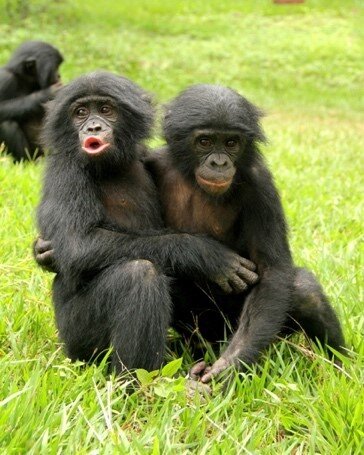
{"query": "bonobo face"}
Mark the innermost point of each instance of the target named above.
(31, 73)
(55, 77)
(94, 117)
(217, 151)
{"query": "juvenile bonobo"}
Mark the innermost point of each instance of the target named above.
(212, 179)
(29, 79)
(101, 211)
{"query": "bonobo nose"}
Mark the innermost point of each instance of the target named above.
(94, 128)
(218, 162)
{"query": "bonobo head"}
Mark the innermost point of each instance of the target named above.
(37, 63)
(99, 119)
(210, 130)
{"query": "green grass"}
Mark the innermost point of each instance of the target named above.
(304, 65)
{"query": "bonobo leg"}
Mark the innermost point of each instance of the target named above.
(15, 140)
(313, 313)
(309, 310)
(201, 311)
(139, 330)
(126, 306)
(264, 313)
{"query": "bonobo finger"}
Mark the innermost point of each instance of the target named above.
(224, 285)
(196, 370)
(194, 387)
(238, 285)
(56, 87)
(41, 245)
(46, 261)
(218, 367)
(247, 264)
(45, 258)
(247, 275)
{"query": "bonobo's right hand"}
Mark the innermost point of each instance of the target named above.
(48, 93)
(236, 274)
(44, 254)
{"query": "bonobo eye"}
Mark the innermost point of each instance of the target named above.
(106, 109)
(231, 143)
(205, 142)
(81, 112)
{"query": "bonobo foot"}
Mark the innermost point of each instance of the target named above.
(194, 388)
(204, 373)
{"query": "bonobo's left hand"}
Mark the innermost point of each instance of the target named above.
(44, 254)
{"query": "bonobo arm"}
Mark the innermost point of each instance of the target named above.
(265, 309)
(180, 254)
(71, 216)
(24, 106)
(20, 107)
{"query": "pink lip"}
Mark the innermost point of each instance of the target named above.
(94, 145)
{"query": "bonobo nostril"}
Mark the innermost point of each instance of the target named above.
(218, 162)
(94, 128)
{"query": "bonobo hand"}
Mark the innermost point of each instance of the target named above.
(47, 94)
(44, 254)
(236, 275)
(53, 89)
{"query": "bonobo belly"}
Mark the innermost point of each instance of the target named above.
(188, 209)
(131, 201)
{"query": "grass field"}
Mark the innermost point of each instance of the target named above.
(304, 65)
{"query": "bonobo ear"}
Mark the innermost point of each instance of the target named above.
(253, 122)
(30, 66)
(138, 111)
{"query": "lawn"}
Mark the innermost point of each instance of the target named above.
(304, 65)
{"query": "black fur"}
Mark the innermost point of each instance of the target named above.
(114, 258)
(25, 84)
(286, 297)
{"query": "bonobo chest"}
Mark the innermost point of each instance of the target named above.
(189, 209)
(130, 199)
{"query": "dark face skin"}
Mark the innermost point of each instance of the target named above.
(94, 117)
(217, 152)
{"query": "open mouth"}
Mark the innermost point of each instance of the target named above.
(94, 145)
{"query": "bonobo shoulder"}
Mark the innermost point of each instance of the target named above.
(157, 161)
(157, 156)
(143, 152)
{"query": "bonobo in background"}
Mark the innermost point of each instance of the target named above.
(212, 179)
(101, 211)
(28, 80)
